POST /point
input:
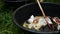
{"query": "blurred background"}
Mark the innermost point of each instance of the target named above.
(7, 7)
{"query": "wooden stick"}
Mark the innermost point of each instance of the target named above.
(43, 12)
(41, 8)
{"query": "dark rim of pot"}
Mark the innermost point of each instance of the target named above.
(26, 28)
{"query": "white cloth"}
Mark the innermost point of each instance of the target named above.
(31, 19)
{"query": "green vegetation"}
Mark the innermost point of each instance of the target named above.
(7, 25)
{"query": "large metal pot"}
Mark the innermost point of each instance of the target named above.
(24, 12)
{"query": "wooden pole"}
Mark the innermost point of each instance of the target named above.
(43, 12)
(41, 7)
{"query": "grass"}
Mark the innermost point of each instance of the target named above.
(7, 25)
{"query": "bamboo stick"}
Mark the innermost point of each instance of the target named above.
(41, 8)
(43, 13)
